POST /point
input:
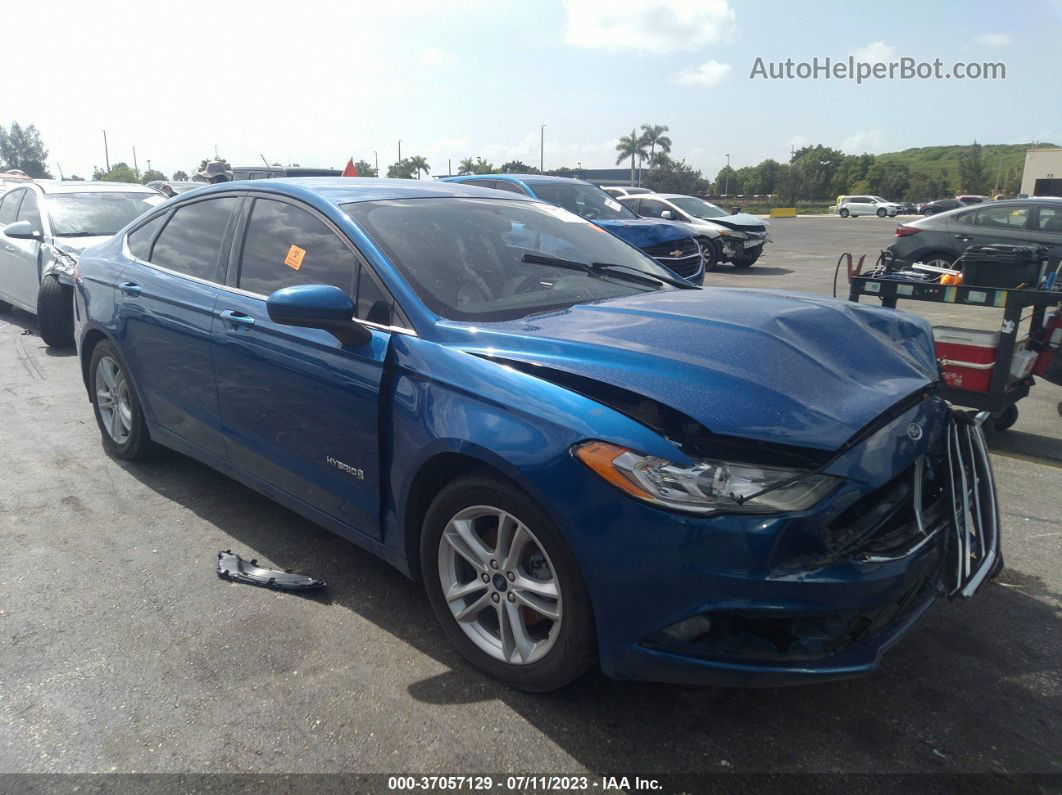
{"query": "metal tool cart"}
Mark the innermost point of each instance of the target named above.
(1003, 392)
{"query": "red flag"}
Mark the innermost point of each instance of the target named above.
(351, 170)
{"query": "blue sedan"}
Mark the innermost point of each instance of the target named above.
(586, 459)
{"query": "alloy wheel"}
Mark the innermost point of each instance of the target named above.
(112, 399)
(500, 585)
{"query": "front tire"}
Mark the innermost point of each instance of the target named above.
(711, 253)
(843, 212)
(882, 212)
(55, 313)
(118, 411)
(504, 585)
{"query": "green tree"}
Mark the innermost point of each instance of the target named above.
(466, 166)
(120, 172)
(151, 175)
(889, 180)
(653, 137)
(812, 171)
(853, 169)
(203, 164)
(676, 176)
(365, 169)
(419, 164)
(631, 146)
(483, 166)
(22, 148)
(180, 176)
(403, 169)
(517, 167)
(726, 182)
(972, 176)
(75, 178)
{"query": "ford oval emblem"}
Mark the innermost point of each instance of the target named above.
(914, 431)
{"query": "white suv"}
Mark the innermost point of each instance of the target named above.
(866, 205)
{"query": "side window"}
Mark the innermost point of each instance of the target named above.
(191, 242)
(285, 246)
(651, 208)
(1050, 219)
(998, 217)
(373, 303)
(140, 239)
(509, 186)
(30, 211)
(480, 183)
(9, 209)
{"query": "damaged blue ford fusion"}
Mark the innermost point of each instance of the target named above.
(585, 459)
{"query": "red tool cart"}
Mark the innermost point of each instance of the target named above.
(989, 371)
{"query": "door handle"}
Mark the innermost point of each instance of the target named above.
(236, 318)
(963, 237)
(131, 289)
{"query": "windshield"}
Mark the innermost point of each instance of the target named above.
(698, 208)
(465, 257)
(92, 214)
(582, 199)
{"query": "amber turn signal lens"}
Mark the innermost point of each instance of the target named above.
(599, 457)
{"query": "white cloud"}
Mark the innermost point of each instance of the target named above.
(993, 39)
(657, 26)
(876, 52)
(864, 141)
(433, 56)
(707, 74)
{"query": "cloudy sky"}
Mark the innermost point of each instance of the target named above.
(317, 81)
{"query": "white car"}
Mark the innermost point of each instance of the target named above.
(44, 227)
(738, 239)
(616, 190)
(866, 205)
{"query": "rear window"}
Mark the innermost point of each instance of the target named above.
(93, 214)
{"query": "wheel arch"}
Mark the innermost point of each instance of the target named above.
(89, 341)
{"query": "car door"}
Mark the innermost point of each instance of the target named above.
(20, 258)
(992, 223)
(1046, 229)
(165, 313)
(301, 411)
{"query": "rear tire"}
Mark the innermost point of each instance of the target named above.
(556, 650)
(55, 313)
(118, 411)
(843, 212)
(939, 259)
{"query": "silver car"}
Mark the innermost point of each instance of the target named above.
(44, 227)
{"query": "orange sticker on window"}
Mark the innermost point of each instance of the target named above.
(294, 258)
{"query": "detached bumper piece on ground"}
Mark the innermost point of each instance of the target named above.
(232, 567)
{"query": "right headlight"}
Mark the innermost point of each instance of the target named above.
(709, 485)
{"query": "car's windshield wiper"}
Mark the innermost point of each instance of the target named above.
(608, 266)
(594, 268)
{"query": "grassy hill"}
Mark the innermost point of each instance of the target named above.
(935, 161)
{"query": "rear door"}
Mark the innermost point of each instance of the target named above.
(990, 223)
(165, 312)
(1046, 228)
(301, 411)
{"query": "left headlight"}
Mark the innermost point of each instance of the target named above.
(709, 485)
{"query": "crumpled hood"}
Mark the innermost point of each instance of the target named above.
(76, 245)
(789, 368)
(740, 220)
(646, 232)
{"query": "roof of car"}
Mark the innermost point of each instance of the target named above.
(343, 190)
(513, 177)
(85, 186)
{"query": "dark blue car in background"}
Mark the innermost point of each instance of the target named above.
(584, 458)
(677, 246)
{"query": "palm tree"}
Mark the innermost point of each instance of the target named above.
(466, 166)
(653, 136)
(419, 164)
(633, 147)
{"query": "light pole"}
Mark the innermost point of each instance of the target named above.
(542, 148)
(376, 157)
(726, 182)
(399, 150)
(106, 154)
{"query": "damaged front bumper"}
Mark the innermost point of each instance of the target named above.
(809, 597)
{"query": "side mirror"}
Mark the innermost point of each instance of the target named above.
(667, 215)
(22, 230)
(320, 306)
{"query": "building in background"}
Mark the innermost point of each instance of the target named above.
(1043, 172)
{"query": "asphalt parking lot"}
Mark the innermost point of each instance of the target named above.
(122, 651)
